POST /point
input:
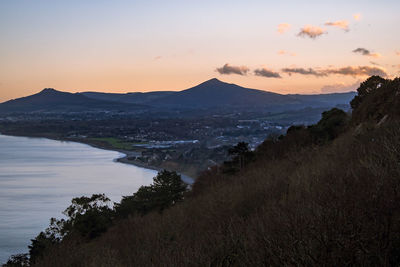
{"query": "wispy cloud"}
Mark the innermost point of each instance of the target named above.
(157, 57)
(357, 16)
(311, 31)
(303, 71)
(349, 71)
(358, 71)
(374, 63)
(366, 52)
(283, 52)
(228, 69)
(283, 27)
(398, 53)
(342, 24)
(263, 72)
(340, 87)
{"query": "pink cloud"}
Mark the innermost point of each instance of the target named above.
(311, 31)
(342, 24)
(357, 16)
(283, 27)
(229, 69)
(340, 88)
(283, 52)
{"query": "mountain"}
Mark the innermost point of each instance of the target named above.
(211, 94)
(50, 100)
(131, 98)
(215, 93)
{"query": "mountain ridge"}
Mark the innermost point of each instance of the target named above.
(212, 93)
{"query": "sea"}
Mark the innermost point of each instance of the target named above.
(39, 177)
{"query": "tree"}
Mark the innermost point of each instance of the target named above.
(166, 190)
(89, 216)
(39, 245)
(241, 156)
(330, 126)
(18, 260)
(366, 87)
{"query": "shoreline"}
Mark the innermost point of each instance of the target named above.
(124, 159)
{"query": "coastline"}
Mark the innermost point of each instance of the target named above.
(124, 159)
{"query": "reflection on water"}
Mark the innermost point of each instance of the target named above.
(39, 177)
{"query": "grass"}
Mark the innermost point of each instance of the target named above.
(115, 143)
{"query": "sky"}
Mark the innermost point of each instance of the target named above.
(138, 46)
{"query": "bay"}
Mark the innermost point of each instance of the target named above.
(39, 177)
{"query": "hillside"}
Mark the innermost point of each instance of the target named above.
(131, 98)
(215, 93)
(210, 95)
(50, 100)
(323, 195)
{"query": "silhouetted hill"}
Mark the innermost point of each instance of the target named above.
(210, 94)
(131, 98)
(50, 100)
(215, 93)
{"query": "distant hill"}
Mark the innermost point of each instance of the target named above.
(215, 93)
(131, 98)
(207, 95)
(50, 100)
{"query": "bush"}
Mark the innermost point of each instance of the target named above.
(18, 260)
(166, 190)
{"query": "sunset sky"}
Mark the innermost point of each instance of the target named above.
(129, 46)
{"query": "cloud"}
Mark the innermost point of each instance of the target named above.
(303, 71)
(283, 27)
(374, 63)
(342, 24)
(228, 69)
(357, 16)
(157, 57)
(340, 88)
(266, 73)
(398, 53)
(349, 71)
(283, 52)
(366, 52)
(311, 31)
(358, 71)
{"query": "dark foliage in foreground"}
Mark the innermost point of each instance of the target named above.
(18, 260)
(89, 217)
(325, 195)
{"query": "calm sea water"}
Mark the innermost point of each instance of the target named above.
(39, 177)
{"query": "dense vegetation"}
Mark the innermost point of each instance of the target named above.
(322, 195)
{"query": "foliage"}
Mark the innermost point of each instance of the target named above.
(89, 216)
(18, 260)
(241, 157)
(39, 245)
(166, 190)
(370, 85)
(330, 126)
